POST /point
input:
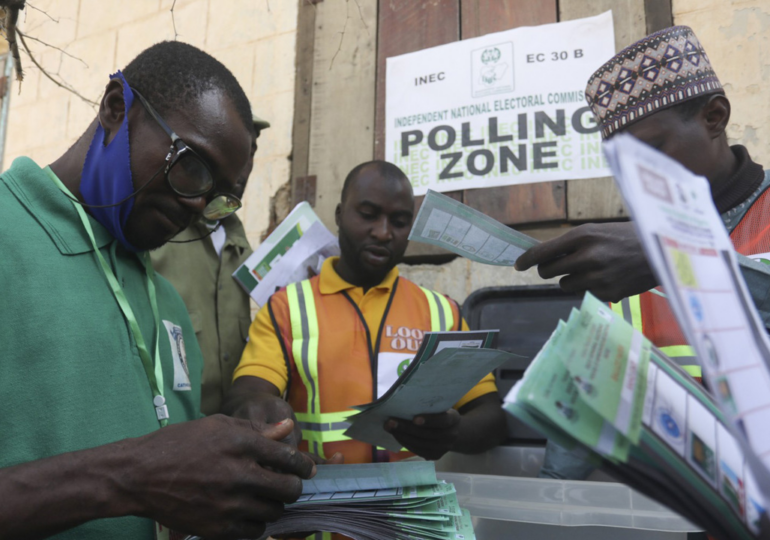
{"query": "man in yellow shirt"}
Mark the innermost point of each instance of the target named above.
(341, 338)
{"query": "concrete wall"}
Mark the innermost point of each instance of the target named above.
(736, 36)
(255, 39)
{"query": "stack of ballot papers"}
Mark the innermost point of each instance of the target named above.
(599, 386)
(377, 501)
(447, 365)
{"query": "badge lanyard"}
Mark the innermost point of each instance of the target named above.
(154, 376)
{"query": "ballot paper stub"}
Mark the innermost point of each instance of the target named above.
(446, 366)
(691, 253)
(449, 224)
(376, 501)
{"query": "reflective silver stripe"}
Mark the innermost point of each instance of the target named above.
(306, 343)
(334, 426)
(684, 360)
(441, 314)
(626, 305)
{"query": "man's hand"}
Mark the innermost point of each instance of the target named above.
(429, 435)
(217, 477)
(606, 259)
(260, 402)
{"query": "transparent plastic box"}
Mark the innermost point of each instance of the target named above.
(511, 507)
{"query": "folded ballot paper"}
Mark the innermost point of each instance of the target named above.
(377, 501)
(447, 365)
(294, 251)
(599, 385)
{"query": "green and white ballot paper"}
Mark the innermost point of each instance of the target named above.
(294, 251)
(449, 224)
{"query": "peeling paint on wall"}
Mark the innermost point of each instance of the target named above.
(736, 36)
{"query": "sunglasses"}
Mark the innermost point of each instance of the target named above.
(188, 175)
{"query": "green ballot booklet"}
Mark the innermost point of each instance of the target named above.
(447, 365)
(377, 501)
(598, 385)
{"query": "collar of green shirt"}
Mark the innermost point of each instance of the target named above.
(55, 213)
(332, 283)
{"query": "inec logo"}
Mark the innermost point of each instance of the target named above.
(492, 69)
(403, 365)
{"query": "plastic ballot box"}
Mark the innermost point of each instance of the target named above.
(544, 509)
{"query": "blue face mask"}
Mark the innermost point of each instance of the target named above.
(106, 178)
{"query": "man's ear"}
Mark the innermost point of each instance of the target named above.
(716, 115)
(112, 109)
(337, 214)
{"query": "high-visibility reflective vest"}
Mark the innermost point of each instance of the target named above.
(650, 313)
(338, 362)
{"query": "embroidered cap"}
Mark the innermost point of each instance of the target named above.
(664, 69)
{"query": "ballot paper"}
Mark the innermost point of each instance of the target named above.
(377, 501)
(446, 367)
(607, 361)
(693, 257)
(549, 390)
(684, 454)
(293, 252)
(449, 224)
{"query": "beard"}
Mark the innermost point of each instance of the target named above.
(352, 257)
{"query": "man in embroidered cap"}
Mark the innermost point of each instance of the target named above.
(662, 90)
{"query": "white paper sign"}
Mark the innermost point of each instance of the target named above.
(505, 108)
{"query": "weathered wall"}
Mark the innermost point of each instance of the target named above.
(736, 36)
(255, 39)
(587, 199)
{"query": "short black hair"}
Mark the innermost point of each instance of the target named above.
(688, 109)
(171, 75)
(385, 168)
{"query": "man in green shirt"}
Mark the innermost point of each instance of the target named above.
(199, 263)
(97, 352)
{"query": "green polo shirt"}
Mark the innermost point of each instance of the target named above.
(218, 305)
(70, 373)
